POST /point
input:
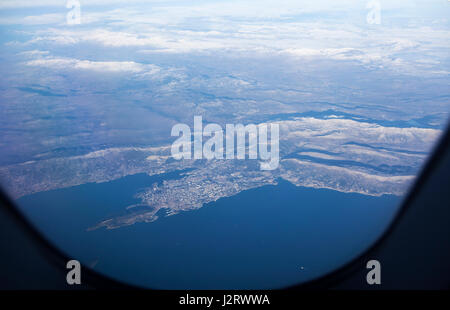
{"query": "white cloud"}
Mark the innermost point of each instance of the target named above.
(14, 4)
(34, 53)
(270, 28)
(43, 19)
(111, 66)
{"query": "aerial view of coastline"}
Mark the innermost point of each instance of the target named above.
(90, 94)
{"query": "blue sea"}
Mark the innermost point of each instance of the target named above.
(268, 237)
